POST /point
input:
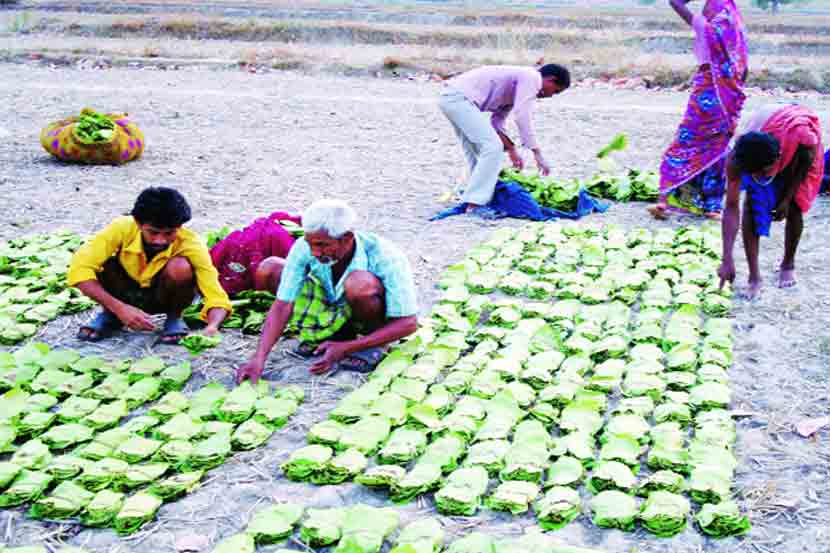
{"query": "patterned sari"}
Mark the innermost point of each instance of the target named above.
(692, 171)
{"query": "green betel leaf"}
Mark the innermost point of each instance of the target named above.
(101, 474)
(8, 472)
(710, 484)
(75, 385)
(58, 359)
(180, 427)
(34, 424)
(664, 513)
(250, 435)
(113, 387)
(710, 395)
(32, 455)
(101, 511)
(177, 485)
(239, 543)
(488, 454)
(140, 475)
(327, 432)
(136, 511)
(722, 520)
(144, 391)
(305, 461)
(444, 452)
(170, 404)
(322, 527)
(462, 492)
(137, 449)
(513, 496)
(474, 542)
(75, 408)
(28, 486)
(175, 377)
(613, 509)
(366, 435)
(180, 455)
(381, 476)
(403, 445)
(211, 452)
(566, 471)
(107, 415)
(662, 480)
(274, 412)
(146, 366)
(421, 536)
(65, 501)
(559, 506)
(274, 524)
(203, 404)
(344, 466)
(612, 475)
(198, 343)
(365, 528)
(239, 404)
(40, 403)
(421, 479)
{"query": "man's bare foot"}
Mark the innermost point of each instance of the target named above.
(786, 277)
(659, 211)
(712, 215)
(471, 207)
(754, 289)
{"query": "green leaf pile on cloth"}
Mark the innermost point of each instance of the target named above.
(106, 415)
(422, 478)
(8, 472)
(33, 455)
(113, 387)
(327, 432)
(366, 435)
(274, 412)
(172, 403)
(662, 480)
(144, 391)
(136, 511)
(101, 474)
(514, 496)
(612, 475)
(140, 475)
(137, 449)
(365, 528)
(322, 527)
(93, 128)
(177, 485)
(488, 454)
(198, 343)
(614, 509)
(175, 376)
(425, 535)
(179, 454)
(558, 507)
(462, 492)
(204, 403)
(721, 520)
(101, 511)
(664, 514)
(238, 406)
(304, 462)
(238, 543)
(65, 501)
(146, 366)
(710, 484)
(34, 424)
(210, 452)
(28, 486)
(342, 467)
(274, 523)
(75, 408)
(403, 445)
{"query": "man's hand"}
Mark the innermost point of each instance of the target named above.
(544, 168)
(726, 272)
(516, 159)
(134, 318)
(251, 370)
(781, 210)
(331, 352)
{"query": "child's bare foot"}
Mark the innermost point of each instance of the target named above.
(471, 207)
(659, 211)
(786, 277)
(754, 289)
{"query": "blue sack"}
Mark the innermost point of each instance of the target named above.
(511, 200)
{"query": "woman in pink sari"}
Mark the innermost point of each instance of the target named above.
(692, 172)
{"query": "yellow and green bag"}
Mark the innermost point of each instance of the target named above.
(94, 138)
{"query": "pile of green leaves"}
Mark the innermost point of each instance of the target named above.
(94, 128)
(33, 287)
(249, 311)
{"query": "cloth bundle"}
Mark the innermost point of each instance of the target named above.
(124, 142)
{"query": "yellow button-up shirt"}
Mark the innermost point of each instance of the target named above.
(123, 238)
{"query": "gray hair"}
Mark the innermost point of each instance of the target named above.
(334, 217)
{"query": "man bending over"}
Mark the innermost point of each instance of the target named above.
(347, 292)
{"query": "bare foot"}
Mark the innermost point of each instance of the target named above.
(712, 215)
(754, 289)
(471, 207)
(786, 277)
(659, 212)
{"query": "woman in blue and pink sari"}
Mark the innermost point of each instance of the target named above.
(692, 176)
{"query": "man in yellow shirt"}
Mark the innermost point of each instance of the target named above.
(148, 263)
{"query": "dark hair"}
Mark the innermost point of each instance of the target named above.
(161, 207)
(756, 151)
(796, 172)
(559, 73)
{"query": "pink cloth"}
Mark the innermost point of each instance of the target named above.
(793, 126)
(239, 254)
(502, 89)
(701, 47)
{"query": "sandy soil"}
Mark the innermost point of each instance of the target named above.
(241, 145)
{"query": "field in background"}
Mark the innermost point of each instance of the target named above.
(604, 40)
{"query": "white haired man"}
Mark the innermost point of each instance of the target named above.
(347, 292)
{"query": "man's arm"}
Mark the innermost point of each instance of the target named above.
(132, 317)
(731, 221)
(510, 148)
(526, 91)
(272, 330)
(682, 10)
(217, 304)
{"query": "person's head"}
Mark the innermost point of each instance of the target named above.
(555, 79)
(160, 212)
(329, 230)
(756, 154)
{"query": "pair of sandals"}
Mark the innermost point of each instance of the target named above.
(362, 362)
(105, 324)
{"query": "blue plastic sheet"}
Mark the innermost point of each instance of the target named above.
(511, 200)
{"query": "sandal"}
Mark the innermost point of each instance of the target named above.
(102, 326)
(174, 330)
(361, 361)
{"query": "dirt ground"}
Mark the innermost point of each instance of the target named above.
(241, 145)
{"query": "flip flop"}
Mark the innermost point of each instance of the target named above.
(102, 326)
(363, 361)
(174, 330)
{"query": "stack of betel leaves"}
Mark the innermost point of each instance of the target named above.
(363, 529)
(33, 284)
(249, 311)
(107, 442)
(558, 356)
